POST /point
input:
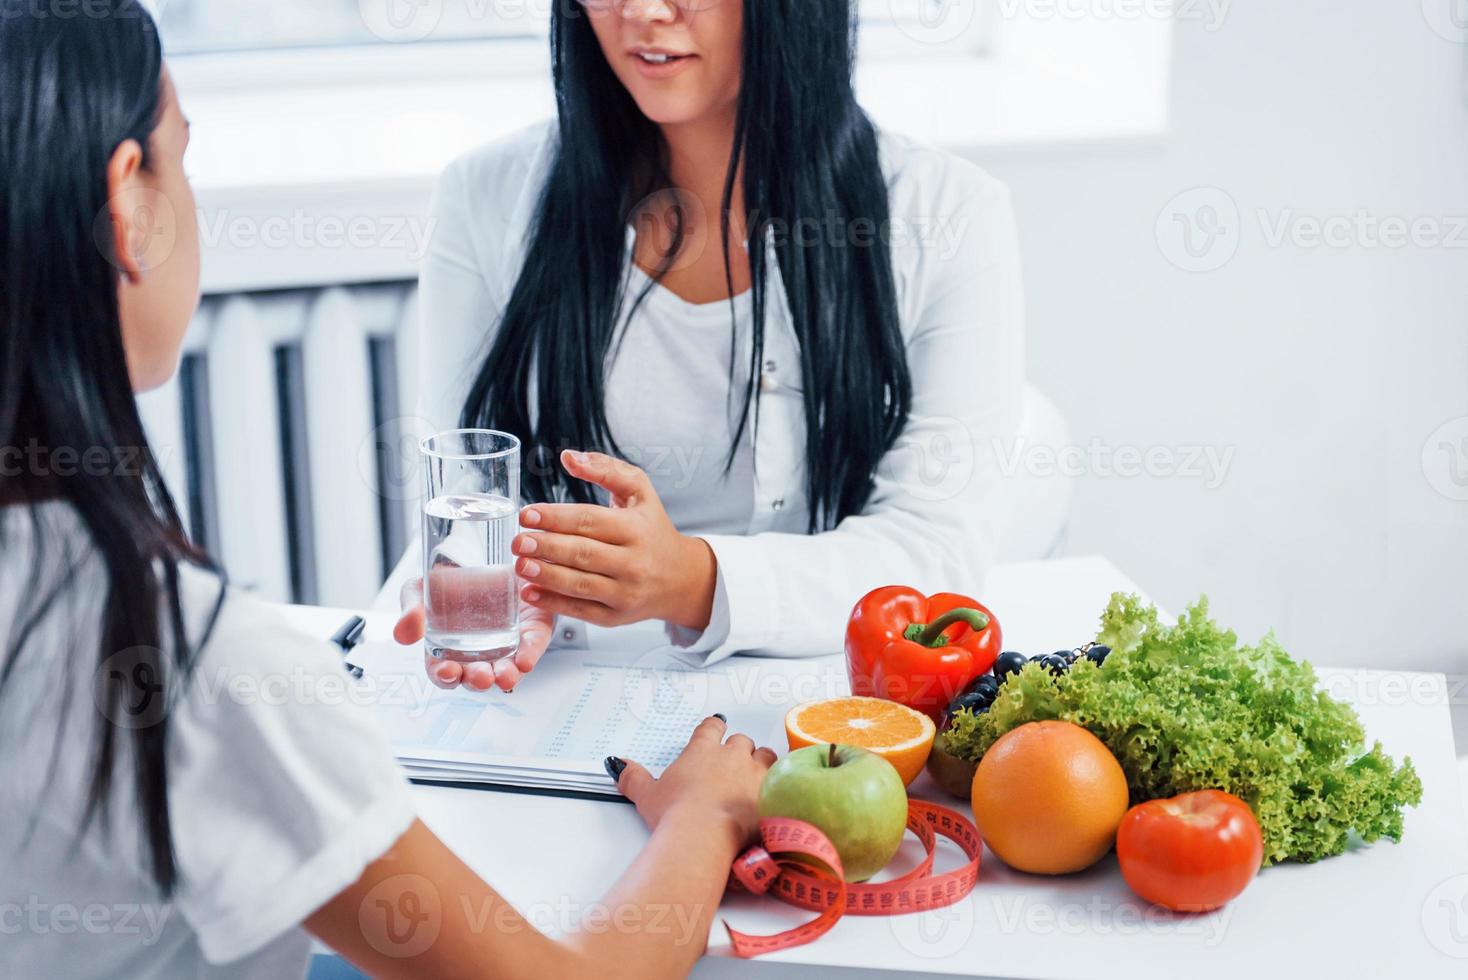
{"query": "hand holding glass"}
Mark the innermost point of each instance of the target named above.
(470, 516)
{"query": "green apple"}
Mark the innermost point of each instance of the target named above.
(854, 796)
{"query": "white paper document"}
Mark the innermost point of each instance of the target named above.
(629, 695)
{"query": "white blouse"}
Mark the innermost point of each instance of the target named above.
(932, 521)
(282, 788)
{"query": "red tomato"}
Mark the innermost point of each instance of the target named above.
(1191, 853)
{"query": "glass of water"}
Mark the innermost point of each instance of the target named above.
(470, 515)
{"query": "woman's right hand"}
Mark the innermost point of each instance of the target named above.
(536, 628)
(713, 779)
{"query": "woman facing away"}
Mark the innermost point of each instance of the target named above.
(793, 342)
(156, 819)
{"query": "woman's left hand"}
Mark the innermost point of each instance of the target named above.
(614, 565)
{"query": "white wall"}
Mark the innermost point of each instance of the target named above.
(1323, 369)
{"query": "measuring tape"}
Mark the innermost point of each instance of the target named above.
(783, 867)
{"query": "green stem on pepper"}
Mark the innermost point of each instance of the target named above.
(931, 634)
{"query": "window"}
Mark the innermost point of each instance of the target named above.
(196, 26)
(202, 26)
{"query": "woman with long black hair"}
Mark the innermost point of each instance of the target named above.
(183, 788)
(781, 345)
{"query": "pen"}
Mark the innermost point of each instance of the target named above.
(347, 637)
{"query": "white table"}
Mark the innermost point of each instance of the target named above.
(1385, 910)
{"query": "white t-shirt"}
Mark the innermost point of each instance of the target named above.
(933, 518)
(281, 790)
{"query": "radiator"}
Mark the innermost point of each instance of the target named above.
(286, 438)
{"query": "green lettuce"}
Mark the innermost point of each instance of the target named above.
(1186, 707)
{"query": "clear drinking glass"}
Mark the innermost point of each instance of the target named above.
(470, 515)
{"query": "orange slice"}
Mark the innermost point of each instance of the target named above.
(897, 733)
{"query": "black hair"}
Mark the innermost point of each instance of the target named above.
(72, 89)
(809, 153)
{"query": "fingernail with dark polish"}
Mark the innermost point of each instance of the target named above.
(614, 767)
(719, 715)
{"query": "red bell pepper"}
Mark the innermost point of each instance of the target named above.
(918, 650)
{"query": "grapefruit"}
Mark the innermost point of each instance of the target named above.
(1048, 797)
